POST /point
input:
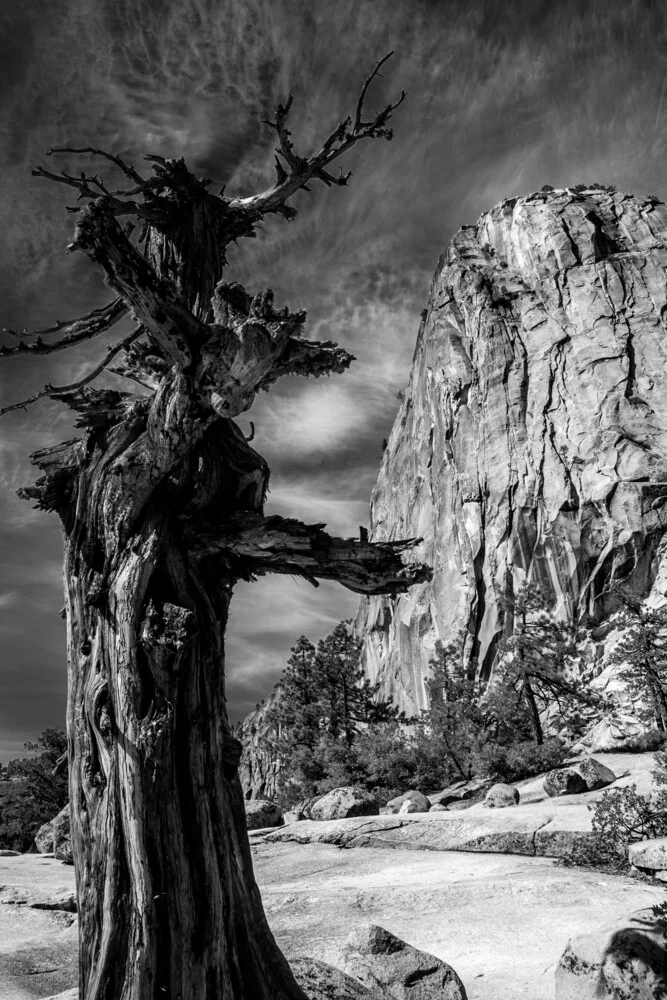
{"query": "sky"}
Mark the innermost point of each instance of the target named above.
(502, 97)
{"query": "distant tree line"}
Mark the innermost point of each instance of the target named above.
(33, 789)
(332, 727)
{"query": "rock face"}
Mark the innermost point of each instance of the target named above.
(627, 961)
(341, 803)
(531, 442)
(385, 963)
(259, 768)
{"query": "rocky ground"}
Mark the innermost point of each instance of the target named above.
(501, 921)
(538, 826)
(475, 887)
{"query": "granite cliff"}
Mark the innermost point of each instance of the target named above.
(531, 442)
(258, 769)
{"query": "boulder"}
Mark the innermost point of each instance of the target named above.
(410, 806)
(340, 803)
(261, 813)
(54, 837)
(459, 792)
(564, 781)
(420, 802)
(381, 961)
(320, 981)
(9, 854)
(649, 854)
(595, 774)
(292, 816)
(624, 961)
(501, 795)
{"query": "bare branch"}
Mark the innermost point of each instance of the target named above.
(155, 303)
(127, 168)
(54, 391)
(253, 545)
(358, 124)
(301, 169)
(310, 358)
(76, 331)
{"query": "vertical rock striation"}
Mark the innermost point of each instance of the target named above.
(532, 439)
(259, 766)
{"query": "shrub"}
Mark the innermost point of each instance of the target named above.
(622, 817)
(516, 761)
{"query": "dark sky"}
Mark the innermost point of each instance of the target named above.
(503, 97)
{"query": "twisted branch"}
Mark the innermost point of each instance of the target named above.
(54, 391)
(76, 331)
(301, 170)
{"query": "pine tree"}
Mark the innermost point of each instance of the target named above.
(535, 656)
(642, 656)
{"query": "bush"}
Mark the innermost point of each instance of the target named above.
(622, 817)
(34, 795)
(517, 761)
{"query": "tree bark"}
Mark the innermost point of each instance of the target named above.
(162, 510)
(168, 903)
(529, 695)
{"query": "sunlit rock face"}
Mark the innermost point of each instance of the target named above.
(532, 439)
(258, 769)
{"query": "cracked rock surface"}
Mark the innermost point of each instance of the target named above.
(532, 438)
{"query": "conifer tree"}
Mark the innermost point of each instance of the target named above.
(642, 656)
(534, 658)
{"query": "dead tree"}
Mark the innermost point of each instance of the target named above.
(161, 502)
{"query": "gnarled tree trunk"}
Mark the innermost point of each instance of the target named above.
(161, 502)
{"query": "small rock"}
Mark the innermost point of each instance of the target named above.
(66, 903)
(649, 854)
(595, 774)
(381, 961)
(320, 981)
(459, 792)
(4, 853)
(501, 795)
(261, 813)
(439, 807)
(341, 803)
(420, 801)
(624, 961)
(293, 816)
(564, 781)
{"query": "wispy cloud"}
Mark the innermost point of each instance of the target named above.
(502, 98)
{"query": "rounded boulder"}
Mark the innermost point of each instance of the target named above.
(260, 813)
(564, 781)
(501, 795)
(649, 854)
(595, 774)
(418, 803)
(343, 803)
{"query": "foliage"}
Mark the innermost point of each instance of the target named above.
(331, 734)
(326, 702)
(536, 659)
(32, 793)
(622, 817)
(641, 655)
